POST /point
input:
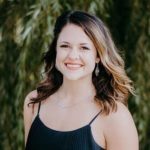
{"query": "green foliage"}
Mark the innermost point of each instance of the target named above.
(25, 32)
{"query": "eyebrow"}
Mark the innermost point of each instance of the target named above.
(69, 43)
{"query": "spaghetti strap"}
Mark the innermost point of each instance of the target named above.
(94, 117)
(39, 108)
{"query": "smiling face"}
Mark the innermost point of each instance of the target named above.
(76, 54)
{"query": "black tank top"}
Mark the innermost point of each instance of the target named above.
(43, 138)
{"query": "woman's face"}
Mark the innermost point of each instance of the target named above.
(76, 54)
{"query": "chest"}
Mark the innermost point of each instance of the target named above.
(41, 137)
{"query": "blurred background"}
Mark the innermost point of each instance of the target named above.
(26, 29)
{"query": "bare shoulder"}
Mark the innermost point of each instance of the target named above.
(119, 130)
(29, 111)
(29, 96)
(32, 94)
(121, 115)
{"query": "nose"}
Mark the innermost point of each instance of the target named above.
(74, 54)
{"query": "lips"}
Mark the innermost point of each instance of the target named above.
(73, 66)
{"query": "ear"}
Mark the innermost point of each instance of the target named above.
(97, 59)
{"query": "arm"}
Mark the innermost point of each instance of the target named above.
(28, 113)
(120, 131)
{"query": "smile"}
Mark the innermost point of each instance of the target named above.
(73, 66)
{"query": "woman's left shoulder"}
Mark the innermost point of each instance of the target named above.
(122, 113)
(120, 130)
(121, 118)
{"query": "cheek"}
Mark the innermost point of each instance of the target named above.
(90, 60)
(60, 57)
(92, 64)
(91, 57)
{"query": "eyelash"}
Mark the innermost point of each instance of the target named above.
(85, 48)
(64, 46)
(82, 48)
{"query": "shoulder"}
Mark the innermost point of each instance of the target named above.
(29, 111)
(121, 115)
(29, 96)
(32, 94)
(119, 129)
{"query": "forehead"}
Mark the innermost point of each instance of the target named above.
(74, 34)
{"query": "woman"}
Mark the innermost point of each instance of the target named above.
(81, 104)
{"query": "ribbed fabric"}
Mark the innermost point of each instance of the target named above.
(43, 138)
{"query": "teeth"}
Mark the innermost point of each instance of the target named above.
(73, 65)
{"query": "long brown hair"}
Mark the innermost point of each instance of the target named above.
(112, 84)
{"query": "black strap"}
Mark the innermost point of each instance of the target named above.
(39, 107)
(94, 117)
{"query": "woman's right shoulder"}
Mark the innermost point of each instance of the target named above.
(30, 95)
(29, 111)
(27, 106)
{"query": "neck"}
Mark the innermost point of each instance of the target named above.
(73, 91)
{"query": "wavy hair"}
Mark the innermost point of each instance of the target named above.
(112, 84)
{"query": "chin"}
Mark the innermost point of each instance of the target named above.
(73, 78)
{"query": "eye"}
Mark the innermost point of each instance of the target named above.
(64, 46)
(85, 48)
